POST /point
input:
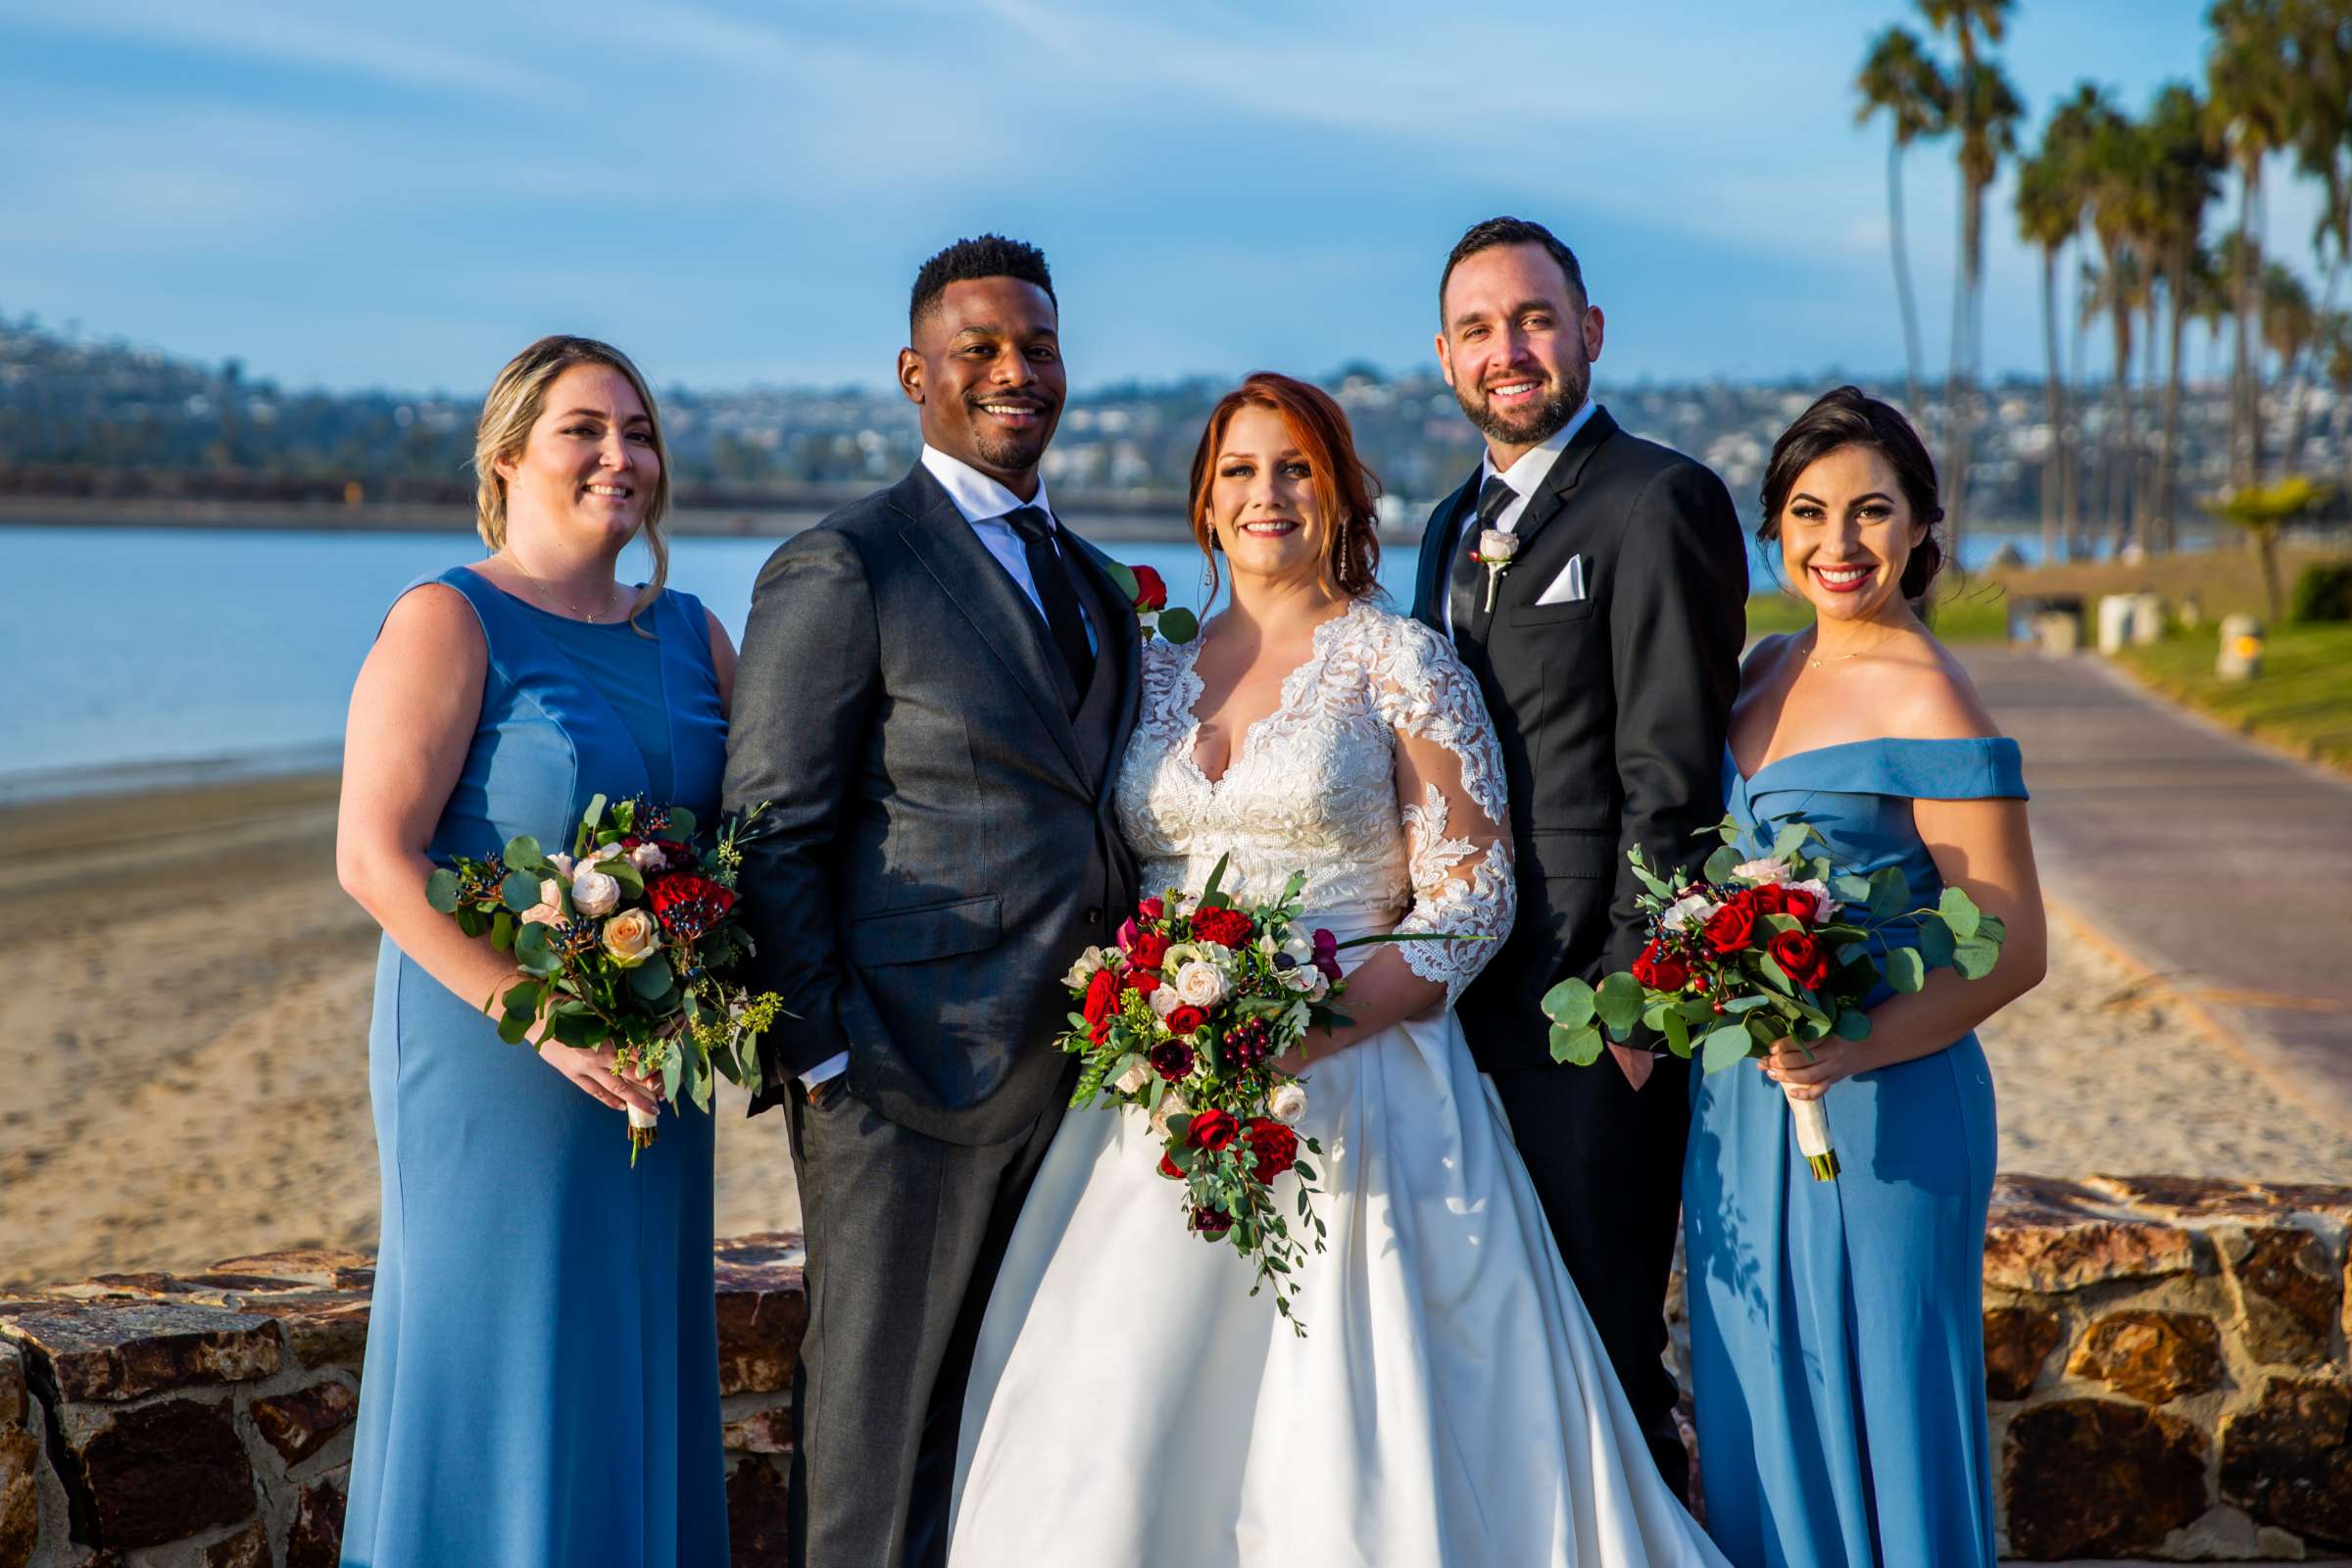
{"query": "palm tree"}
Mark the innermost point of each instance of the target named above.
(2185, 164)
(1900, 80)
(2291, 323)
(1987, 109)
(2323, 134)
(2049, 208)
(2075, 126)
(2336, 365)
(2248, 81)
(2119, 205)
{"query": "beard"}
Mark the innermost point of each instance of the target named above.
(1532, 426)
(1011, 450)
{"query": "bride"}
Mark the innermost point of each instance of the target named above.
(1130, 1402)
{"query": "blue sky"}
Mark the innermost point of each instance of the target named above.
(405, 195)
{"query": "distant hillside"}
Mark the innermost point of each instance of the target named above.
(109, 419)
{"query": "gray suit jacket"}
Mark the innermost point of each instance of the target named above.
(939, 841)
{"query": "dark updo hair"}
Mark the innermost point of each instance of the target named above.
(1850, 418)
(1344, 489)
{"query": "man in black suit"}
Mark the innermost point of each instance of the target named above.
(1608, 649)
(936, 684)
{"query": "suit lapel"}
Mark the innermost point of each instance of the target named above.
(1436, 544)
(1561, 482)
(1115, 634)
(940, 538)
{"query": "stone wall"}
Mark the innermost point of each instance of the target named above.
(2166, 1361)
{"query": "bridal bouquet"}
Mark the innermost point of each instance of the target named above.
(1784, 946)
(626, 941)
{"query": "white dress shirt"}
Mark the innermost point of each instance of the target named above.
(983, 502)
(1525, 477)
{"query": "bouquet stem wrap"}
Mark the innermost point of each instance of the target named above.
(1812, 1122)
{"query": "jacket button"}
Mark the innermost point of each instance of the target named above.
(1094, 916)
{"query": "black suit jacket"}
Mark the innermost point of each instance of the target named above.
(939, 843)
(1611, 711)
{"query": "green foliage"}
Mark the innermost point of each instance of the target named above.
(441, 891)
(1178, 624)
(1569, 1003)
(1906, 970)
(1725, 1046)
(2322, 593)
(1617, 1001)
(1959, 913)
(1578, 1047)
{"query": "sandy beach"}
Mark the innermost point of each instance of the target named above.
(188, 1015)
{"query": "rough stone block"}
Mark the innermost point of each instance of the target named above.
(762, 1432)
(2184, 1197)
(2092, 1478)
(2292, 1291)
(2017, 1340)
(321, 1328)
(249, 1547)
(2153, 1356)
(13, 1410)
(323, 1268)
(152, 1473)
(2050, 1235)
(20, 1496)
(316, 1537)
(2287, 1461)
(758, 1522)
(121, 1349)
(762, 1310)
(299, 1424)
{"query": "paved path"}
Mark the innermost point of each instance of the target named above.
(2222, 866)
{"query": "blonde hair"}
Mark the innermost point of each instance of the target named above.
(514, 404)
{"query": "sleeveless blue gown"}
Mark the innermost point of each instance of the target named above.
(542, 1376)
(1836, 1328)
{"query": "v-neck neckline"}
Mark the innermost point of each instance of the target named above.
(1191, 689)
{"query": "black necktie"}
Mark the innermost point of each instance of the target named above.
(1051, 574)
(1466, 583)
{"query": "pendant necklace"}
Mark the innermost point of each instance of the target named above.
(557, 596)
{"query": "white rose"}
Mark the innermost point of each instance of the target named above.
(562, 865)
(605, 852)
(1132, 1079)
(1825, 907)
(1084, 969)
(1762, 873)
(593, 893)
(1165, 1000)
(1200, 984)
(1692, 908)
(1171, 1103)
(549, 911)
(1288, 1102)
(1495, 545)
(649, 857)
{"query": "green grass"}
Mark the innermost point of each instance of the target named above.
(1976, 614)
(2302, 700)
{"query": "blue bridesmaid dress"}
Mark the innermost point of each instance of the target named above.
(1836, 1328)
(542, 1376)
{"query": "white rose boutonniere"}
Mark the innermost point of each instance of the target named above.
(1495, 551)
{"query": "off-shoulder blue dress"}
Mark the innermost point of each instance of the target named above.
(541, 1388)
(1836, 1328)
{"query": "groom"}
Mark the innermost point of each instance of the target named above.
(1607, 650)
(935, 685)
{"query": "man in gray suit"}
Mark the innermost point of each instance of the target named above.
(935, 685)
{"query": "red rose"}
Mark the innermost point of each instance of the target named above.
(1800, 958)
(1733, 927)
(1184, 1020)
(1275, 1147)
(1214, 1130)
(1661, 968)
(1228, 928)
(1142, 982)
(1770, 899)
(1167, 1168)
(1102, 1005)
(686, 905)
(1151, 909)
(1150, 949)
(1150, 591)
(1801, 904)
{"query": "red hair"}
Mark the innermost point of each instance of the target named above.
(1344, 487)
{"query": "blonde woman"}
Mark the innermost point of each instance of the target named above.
(542, 1380)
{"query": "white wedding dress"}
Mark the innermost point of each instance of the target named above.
(1131, 1404)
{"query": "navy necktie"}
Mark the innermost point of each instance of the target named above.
(1466, 583)
(1050, 573)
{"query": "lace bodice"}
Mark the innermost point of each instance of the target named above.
(1377, 774)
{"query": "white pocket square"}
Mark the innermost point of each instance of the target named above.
(1568, 588)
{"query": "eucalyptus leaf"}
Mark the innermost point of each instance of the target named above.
(1906, 970)
(502, 930)
(472, 922)
(520, 891)
(1123, 578)
(1216, 877)
(1580, 1047)
(1719, 863)
(1745, 1004)
(523, 854)
(1773, 975)
(1847, 887)
(1570, 1003)
(1617, 1001)
(681, 823)
(1178, 625)
(441, 891)
(1991, 928)
(673, 1072)
(1658, 889)
(1853, 1025)
(1790, 839)
(651, 978)
(1889, 892)
(1935, 943)
(1724, 1046)
(1677, 1033)
(1960, 912)
(514, 1026)
(1976, 959)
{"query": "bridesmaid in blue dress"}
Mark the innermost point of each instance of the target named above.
(542, 1375)
(1837, 1327)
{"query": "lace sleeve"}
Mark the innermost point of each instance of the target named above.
(1449, 796)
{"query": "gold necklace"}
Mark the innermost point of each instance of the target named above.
(1816, 664)
(557, 596)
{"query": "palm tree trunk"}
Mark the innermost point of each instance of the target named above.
(2078, 361)
(2119, 434)
(2299, 399)
(1960, 412)
(1902, 279)
(2167, 527)
(2053, 466)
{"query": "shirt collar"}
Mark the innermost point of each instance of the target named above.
(977, 496)
(1526, 475)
